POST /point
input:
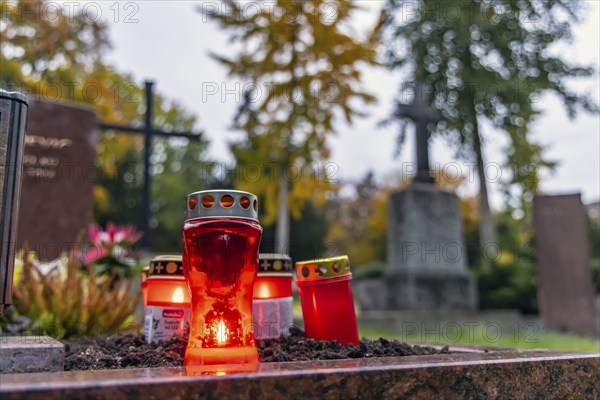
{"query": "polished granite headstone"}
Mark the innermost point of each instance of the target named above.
(475, 375)
(59, 173)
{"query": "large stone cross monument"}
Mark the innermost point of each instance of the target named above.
(425, 250)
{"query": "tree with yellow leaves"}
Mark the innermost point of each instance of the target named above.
(304, 72)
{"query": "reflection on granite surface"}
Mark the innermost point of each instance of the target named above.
(531, 374)
(221, 370)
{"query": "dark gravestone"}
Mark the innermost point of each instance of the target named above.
(566, 293)
(59, 172)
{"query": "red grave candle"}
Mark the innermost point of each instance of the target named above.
(272, 305)
(144, 285)
(221, 238)
(326, 298)
(168, 300)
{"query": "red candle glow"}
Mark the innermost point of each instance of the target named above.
(221, 239)
(168, 300)
(326, 298)
(272, 304)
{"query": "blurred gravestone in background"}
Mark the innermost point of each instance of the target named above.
(426, 252)
(59, 172)
(566, 293)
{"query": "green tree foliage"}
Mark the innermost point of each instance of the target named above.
(178, 167)
(509, 279)
(488, 61)
(305, 71)
(42, 43)
(59, 56)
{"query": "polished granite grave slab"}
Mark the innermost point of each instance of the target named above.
(492, 374)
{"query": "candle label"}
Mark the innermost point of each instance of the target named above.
(272, 317)
(162, 323)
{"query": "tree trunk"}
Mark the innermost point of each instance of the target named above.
(487, 232)
(282, 230)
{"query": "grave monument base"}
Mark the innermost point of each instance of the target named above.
(31, 354)
(426, 256)
(418, 290)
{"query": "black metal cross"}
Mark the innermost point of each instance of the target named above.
(148, 131)
(421, 113)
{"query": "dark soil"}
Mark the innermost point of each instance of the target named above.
(121, 351)
(132, 351)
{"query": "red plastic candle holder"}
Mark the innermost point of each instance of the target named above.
(221, 237)
(168, 302)
(144, 285)
(326, 298)
(272, 305)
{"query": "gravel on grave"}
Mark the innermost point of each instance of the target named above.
(132, 351)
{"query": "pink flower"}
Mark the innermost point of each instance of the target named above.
(110, 231)
(95, 233)
(94, 254)
(116, 241)
(124, 235)
(127, 234)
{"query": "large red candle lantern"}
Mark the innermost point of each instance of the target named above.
(326, 298)
(221, 240)
(272, 305)
(167, 300)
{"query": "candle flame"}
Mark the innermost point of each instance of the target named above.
(221, 332)
(264, 292)
(178, 296)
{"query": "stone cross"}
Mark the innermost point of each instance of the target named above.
(421, 113)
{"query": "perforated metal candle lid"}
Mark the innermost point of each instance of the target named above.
(166, 267)
(221, 203)
(274, 265)
(325, 268)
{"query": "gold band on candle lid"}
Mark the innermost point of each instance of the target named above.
(325, 268)
(166, 267)
(275, 265)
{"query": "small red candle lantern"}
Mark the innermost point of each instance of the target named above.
(144, 285)
(221, 238)
(272, 304)
(326, 298)
(167, 300)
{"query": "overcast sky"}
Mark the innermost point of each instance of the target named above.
(169, 42)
